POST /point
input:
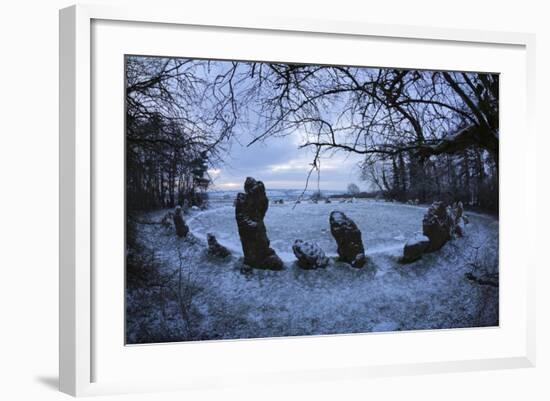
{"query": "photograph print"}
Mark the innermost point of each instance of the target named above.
(270, 199)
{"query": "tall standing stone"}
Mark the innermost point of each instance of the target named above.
(181, 228)
(348, 238)
(459, 220)
(250, 209)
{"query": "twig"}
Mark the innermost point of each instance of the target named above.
(315, 165)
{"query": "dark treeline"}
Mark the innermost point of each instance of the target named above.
(424, 135)
(175, 127)
(161, 173)
(469, 176)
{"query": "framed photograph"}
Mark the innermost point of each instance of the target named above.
(280, 200)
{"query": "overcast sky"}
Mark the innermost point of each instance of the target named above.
(281, 165)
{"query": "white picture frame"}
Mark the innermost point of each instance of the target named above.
(78, 368)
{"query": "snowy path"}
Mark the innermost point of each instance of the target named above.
(428, 294)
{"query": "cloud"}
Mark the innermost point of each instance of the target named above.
(280, 164)
(299, 164)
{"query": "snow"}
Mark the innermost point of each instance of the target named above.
(384, 296)
(339, 217)
(381, 227)
(386, 326)
(417, 239)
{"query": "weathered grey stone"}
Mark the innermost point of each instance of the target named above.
(215, 248)
(348, 238)
(459, 220)
(250, 209)
(309, 255)
(460, 229)
(167, 220)
(181, 228)
(437, 225)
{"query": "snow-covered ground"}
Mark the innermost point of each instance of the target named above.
(222, 303)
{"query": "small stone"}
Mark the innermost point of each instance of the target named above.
(309, 255)
(215, 248)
